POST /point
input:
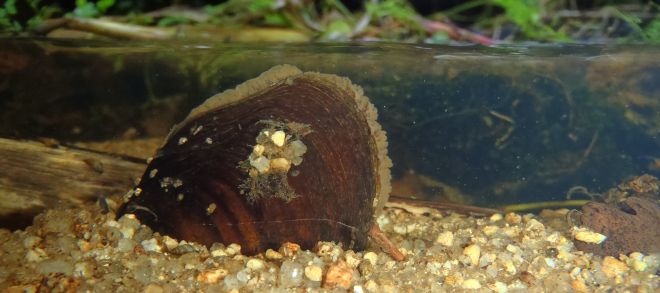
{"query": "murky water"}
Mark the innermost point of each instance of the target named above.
(473, 124)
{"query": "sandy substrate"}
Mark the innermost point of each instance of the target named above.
(78, 250)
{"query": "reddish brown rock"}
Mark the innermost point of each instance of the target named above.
(632, 225)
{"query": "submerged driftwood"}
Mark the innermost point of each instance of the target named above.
(34, 176)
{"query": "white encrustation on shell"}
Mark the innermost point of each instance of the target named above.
(298, 148)
(258, 150)
(262, 164)
(278, 147)
(275, 151)
(211, 208)
(278, 138)
(280, 165)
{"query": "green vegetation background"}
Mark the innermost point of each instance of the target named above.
(387, 20)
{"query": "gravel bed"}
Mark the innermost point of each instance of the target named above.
(80, 250)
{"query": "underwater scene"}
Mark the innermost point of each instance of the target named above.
(182, 167)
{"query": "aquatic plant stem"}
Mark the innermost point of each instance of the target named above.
(544, 205)
(381, 239)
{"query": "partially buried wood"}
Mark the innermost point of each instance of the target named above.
(285, 157)
(34, 176)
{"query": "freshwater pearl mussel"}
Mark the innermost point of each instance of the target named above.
(289, 156)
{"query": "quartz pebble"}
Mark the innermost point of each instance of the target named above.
(585, 235)
(445, 238)
(339, 275)
(289, 249)
(513, 218)
(613, 267)
(151, 245)
(471, 284)
(273, 255)
(372, 257)
(291, 274)
(233, 249)
(314, 273)
(473, 252)
(255, 264)
(212, 276)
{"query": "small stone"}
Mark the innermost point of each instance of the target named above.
(454, 279)
(273, 255)
(255, 264)
(31, 241)
(289, 249)
(513, 249)
(208, 140)
(579, 286)
(613, 267)
(639, 265)
(445, 238)
(434, 267)
(280, 165)
(212, 276)
(258, 150)
(170, 242)
(112, 223)
(278, 138)
(351, 259)
(473, 252)
(339, 274)
(36, 255)
(153, 288)
(534, 225)
(510, 267)
(400, 229)
(513, 218)
(218, 252)
(550, 262)
(486, 259)
(243, 276)
(636, 261)
(125, 245)
(296, 161)
(471, 284)
(262, 164)
(495, 217)
(233, 249)
(151, 245)
(490, 230)
(298, 148)
(372, 257)
(498, 287)
(314, 273)
(182, 140)
(83, 270)
(127, 231)
(291, 274)
(586, 235)
(371, 286)
(211, 208)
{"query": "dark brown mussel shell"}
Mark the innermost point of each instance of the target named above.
(285, 157)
